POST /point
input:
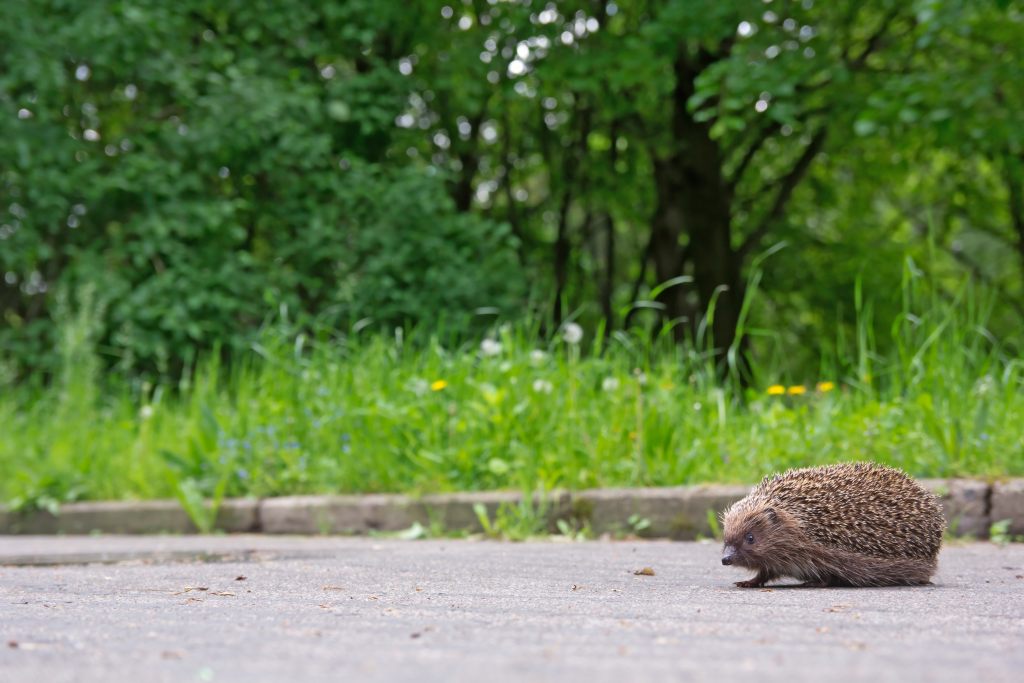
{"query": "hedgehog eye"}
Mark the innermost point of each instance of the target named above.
(750, 538)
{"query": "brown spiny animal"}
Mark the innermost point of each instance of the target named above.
(857, 524)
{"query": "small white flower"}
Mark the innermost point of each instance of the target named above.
(146, 412)
(610, 384)
(542, 386)
(418, 386)
(490, 347)
(537, 357)
(984, 386)
(641, 376)
(572, 333)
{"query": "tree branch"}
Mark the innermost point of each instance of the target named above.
(748, 156)
(788, 184)
(1014, 180)
(975, 270)
(764, 135)
(706, 58)
(874, 41)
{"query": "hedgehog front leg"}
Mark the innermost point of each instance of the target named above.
(763, 577)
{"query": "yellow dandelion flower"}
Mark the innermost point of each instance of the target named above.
(797, 390)
(826, 386)
(438, 385)
(776, 390)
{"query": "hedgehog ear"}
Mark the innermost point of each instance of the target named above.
(771, 515)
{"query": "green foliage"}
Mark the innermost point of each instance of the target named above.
(716, 529)
(240, 241)
(637, 524)
(517, 522)
(574, 531)
(998, 532)
(412, 255)
(373, 413)
(201, 167)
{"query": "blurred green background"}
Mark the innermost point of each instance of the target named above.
(725, 194)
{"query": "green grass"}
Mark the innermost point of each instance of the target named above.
(373, 413)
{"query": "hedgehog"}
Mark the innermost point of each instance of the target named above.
(852, 524)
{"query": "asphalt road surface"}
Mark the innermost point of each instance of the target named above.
(333, 609)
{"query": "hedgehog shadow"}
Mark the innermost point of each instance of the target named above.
(801, 587)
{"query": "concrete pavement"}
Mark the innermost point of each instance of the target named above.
(257, 608)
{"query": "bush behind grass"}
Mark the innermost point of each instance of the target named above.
(403, 413)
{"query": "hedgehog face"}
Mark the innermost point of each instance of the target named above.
(750, 537)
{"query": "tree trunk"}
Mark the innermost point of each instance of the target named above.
(608, 281)
(1015, 189)
(561, 258)
(666, 251)
(462, 191)
(572, 159)
(694, 198)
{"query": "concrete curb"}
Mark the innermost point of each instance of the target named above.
(682, 513)
(129, 517)
(1008, 503)
(383, 512)
(965, 504)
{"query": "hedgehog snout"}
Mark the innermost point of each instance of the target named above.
(728, 554)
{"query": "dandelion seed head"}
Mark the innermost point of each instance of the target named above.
(490, 347)
(984, 386)
(542, 386)
(572, 333)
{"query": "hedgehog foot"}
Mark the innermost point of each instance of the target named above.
(758, 581)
